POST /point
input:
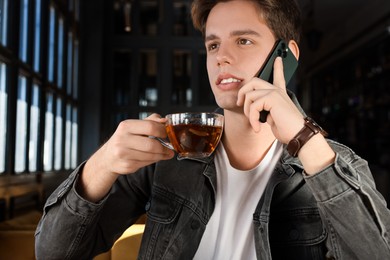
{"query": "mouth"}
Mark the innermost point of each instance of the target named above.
(227, 79)
(228, 82)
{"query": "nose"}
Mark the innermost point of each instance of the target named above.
(223, 56)
(223, 61)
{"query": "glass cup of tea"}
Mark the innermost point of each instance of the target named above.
(193, 134)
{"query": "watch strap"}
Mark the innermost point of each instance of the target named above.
(309, 129)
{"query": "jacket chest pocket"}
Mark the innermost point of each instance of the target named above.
(297, 234)
(162, 212)
(163, 207)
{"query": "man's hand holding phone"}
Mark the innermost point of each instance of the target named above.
(290, 64)
(258, 95)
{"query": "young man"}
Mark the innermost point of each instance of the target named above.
(253, 198)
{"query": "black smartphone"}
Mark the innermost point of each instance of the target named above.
(266, 72)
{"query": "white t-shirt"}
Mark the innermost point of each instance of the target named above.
(229, 232)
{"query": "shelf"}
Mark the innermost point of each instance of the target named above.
(352, 101)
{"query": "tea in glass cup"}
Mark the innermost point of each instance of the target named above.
(194, 135)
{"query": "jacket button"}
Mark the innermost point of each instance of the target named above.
(195, 224)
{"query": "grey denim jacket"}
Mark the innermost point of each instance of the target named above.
(336, 214)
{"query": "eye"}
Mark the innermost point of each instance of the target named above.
(212, 46)
(244, 41)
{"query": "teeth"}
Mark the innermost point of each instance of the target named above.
(230, 80)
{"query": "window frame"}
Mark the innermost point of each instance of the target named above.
(33, 66)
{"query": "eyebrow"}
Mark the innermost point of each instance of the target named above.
(234, 33)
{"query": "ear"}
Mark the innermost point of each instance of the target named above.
(293, 45)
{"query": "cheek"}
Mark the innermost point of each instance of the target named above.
(210, 71)
(254, 65)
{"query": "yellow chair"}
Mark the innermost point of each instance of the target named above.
(17, 244)
(127, 246)
(17, 240)
(17, 236)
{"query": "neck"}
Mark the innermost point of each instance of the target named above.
(245, 147)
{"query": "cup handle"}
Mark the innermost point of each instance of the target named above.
(163, 142)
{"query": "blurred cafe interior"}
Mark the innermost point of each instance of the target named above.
(71, 70)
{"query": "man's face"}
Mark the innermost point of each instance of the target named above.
(237, 42)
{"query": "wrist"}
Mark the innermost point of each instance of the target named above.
(316, 155)
(94, 182)
(309, 130)
(310, 145)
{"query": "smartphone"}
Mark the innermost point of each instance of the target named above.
(266, 72)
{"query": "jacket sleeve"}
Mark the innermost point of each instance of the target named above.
(353, 211)
(74, 228)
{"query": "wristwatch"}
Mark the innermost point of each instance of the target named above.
(309, 129)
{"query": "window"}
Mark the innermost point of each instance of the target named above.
(68, 137)
(75, 76)
(37, 35)
(70, 63)
(181, 68)
(48, 143)
(148, 79)
(34, 129)
(3, 21)
(77, 10)
(58, 135)
(41, 109)
(21, 126)
(52, 26)
(60, 58)
(75, 129)
(23, 30)
(3, 115)
(157, 67)
(182, 24)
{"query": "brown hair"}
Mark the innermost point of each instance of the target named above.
(282, 17)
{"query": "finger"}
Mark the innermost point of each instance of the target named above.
(125, 167)
(147, 157)
(249, 98)
(147, 127)
(253, 114)
(147, 145)
(255, 99)
(241, 96)
(156, 118)
(134, 151)
(153, 115)
(279, 80)
(250, 86)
